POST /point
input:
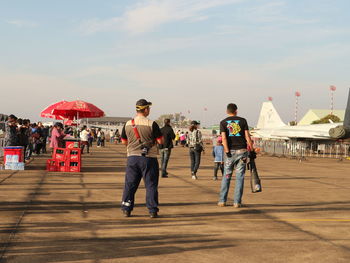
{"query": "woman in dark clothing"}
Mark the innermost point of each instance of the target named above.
(11, 138)
(23, 136)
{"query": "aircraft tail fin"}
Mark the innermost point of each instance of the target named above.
(347, 114)
(269, 117)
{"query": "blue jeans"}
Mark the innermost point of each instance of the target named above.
(146, 168)
(164, 159)
(195, 160)
(237, 162)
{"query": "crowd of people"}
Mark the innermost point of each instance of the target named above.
(32, 137)
(35, 137)
(144, 139)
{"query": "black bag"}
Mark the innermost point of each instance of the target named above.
(255, 182)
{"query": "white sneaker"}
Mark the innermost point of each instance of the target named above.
(194, 177)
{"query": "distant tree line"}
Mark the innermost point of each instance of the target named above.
(176, 119)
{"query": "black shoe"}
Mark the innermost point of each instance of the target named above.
(165, 176)
(126, 213)
(153, 214)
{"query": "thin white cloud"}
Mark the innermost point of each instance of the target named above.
(272, 12)
(22, 23)
(146, 16)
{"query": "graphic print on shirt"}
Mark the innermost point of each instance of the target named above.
(234, 128)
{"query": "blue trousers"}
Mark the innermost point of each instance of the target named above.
(164, 159)
(195, 160)
(139, 167)
(237, 162)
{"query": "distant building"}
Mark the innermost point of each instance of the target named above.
(314, 115)
(106, 121)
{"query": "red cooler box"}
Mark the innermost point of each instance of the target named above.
(13, 154)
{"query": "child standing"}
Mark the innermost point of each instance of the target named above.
(218, 154)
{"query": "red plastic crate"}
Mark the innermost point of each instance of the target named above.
(51, 165)
(65, 160)
(73, 155)
(73, 166)
(59, 154)
(62, 166)
(72, 144)
(56, 165)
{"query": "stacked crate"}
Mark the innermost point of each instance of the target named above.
(65, 160)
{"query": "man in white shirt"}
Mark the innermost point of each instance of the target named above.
(84, 137)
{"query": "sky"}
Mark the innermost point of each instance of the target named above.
(183, 55)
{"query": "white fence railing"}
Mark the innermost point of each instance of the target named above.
(305, 149)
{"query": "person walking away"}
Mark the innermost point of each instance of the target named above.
(30, 147)
(57, 136)
(111, 136)
(99, 137)
(165, 149)
(84, 137)
(103, 138)
(41, 139)
(177, 138)
(141, 135)
(90, 138)
(182, 139)
(11, 138)
(37, 138)
(117, 136)
(236, 138)
(218, 154)
(23, 137)
(196, 146)
(186, 141)
(45, 134)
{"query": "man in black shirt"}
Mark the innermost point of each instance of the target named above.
(165, 149)
(236, 139)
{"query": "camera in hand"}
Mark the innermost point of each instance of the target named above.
(144, 150)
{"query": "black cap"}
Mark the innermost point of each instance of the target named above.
(195, 123)
(12, 116)
(143, 104)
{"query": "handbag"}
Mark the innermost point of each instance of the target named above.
(198, 147)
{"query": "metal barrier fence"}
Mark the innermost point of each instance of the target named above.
(304, 149)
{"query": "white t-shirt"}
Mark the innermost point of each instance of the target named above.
(84, 135)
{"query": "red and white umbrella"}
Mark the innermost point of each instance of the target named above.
(78, 109)
(47, 112)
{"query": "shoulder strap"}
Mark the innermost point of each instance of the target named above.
(135, 130)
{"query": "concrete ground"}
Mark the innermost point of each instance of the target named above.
(302, 215)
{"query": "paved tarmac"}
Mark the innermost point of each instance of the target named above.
(302, 215)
